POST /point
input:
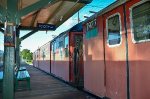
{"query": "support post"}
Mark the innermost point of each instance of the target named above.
(9, 61)
(17, 48)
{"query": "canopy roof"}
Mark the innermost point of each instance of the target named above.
(27, 13)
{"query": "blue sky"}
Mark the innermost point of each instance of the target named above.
(40, 38)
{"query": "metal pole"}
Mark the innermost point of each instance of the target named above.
(9, 61)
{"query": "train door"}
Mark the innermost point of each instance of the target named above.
(78, 60)
(138, 19)
(115, 54)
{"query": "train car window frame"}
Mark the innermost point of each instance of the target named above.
(131, 22)
(66, 48)
(114, 45)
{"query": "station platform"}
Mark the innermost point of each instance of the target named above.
(44, 86)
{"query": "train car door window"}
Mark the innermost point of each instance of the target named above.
(54, 50)
(61, 49)
(66, 46)
(141, 22)
(113, 30)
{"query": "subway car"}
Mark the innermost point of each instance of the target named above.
(116, 51)
(36, 58)
(109, 56)
(63, 56)
(42, 58)
(66, 55)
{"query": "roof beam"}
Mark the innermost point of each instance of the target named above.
(2, 13)
(54, 12)
(34, 7)
(70, 12)
(29, 34)
(12, 9)
(34, 18)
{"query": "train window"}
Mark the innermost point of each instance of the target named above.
(141, 22)
(52, 48)
(66, 46)
(55, 47)
(60, 44)
(113, 26)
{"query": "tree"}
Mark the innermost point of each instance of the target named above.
(26, 54)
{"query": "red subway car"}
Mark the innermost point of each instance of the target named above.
(110, 56)
(63, 56)
(116, 52)
(66, 55)
(42, 58)
(36, 58)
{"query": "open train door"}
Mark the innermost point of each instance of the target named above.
(78, 61)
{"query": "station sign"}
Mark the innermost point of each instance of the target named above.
(43, 26)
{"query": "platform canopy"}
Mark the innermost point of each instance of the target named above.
(28, 13)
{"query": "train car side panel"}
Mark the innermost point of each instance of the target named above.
(94, 57)
(115, 51)
(44, 62)
(138, 24)
(36, 58)
(60, 57)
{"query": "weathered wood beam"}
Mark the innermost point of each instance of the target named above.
(54, 12)
(34, 18)
(34, 7)
(70, 12)
(26, 28)
(12, 11)
(29, 34)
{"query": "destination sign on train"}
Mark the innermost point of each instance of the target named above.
(43, 26)
(91, 25)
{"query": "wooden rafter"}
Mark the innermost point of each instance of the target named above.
(54, 12)
(34, 7)
(34, 18)
(70, 12)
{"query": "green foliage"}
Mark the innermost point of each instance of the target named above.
(27, 55)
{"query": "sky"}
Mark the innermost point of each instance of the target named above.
(41, 37)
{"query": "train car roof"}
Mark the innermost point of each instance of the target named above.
(76, 28)
(106, 9)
